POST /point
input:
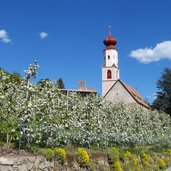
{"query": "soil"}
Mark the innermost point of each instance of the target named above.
(8, 152)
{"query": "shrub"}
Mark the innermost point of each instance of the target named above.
(83, 157)
(60, 154)
(127, 155)
(117, 166)
(113, 155)
(114, 159)
(145, 156)
(161, 164)
(34, 149)
(48, 153)
(169, 152)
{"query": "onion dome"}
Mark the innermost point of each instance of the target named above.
(110, 42)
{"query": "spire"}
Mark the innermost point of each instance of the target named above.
(110, 41)
(110, 30)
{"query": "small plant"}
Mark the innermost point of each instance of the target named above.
(83, 157)
(34, 149)
(117, 166)
(127, 155)
(161, 163)
(169, 152)
(48, 153)
(114, 159)
(60, 154)
(113, 155)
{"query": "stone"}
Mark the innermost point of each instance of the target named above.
(20, 160)
(29, 166)
(31, 159)
(6, 161)
(6, 168)
(42, 165)
(22, 167)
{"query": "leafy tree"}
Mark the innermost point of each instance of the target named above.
(163, 100)
(60, 84)
(43, 82)
(15, 77)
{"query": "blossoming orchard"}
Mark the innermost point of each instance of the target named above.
(42, 115)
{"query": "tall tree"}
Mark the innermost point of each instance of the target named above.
(163, 100)
(60, 84)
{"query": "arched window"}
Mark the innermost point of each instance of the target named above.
(108, 56)
(109, 74)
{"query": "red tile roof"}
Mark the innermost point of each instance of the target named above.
(136, 96)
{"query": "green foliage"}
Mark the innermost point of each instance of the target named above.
(34, 149)
(60, 84)
(163, 100)
(83, 157)
(43, 116)
(43, 82)
(113, 154)
(117, 166)
(60, 154)
(114, 159)
(48, 153)
(15, 77)
(161, 164)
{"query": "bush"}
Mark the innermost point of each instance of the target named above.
(114, 159)
(117, 166)
(48, 153)
(113, 155)
(83, 157)
(60, 154)
(161, 164)
(34, 149)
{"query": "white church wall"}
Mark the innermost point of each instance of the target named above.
(119, 94)
(108, 83)
(113, 59)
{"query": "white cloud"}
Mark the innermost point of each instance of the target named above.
(160, 51)
(43, 35)
(4, 37)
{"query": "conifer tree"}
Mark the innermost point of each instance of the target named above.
(60, 84)
(163, 100)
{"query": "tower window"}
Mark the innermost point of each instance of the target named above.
(108, 56)
(109, 74)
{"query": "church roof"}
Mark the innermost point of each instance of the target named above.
(110, 42)
(133, 93)
(136, 96)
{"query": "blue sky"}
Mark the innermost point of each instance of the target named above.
(66, 38)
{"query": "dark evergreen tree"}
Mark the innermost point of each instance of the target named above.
(60, 84)
(163, 100)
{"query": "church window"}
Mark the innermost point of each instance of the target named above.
(109, 74)
(108, 56)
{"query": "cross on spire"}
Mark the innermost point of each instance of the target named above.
(110, 30)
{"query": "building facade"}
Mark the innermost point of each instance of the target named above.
(113, 88)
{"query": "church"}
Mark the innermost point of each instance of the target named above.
(113, 88)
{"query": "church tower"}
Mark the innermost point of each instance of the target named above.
(110, 70)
